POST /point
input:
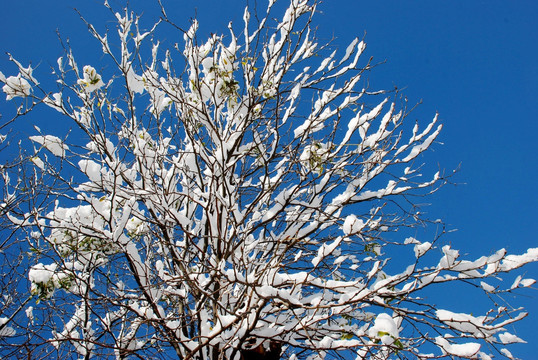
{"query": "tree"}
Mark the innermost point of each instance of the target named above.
(244, 196)
(15, 299)
(11, 260)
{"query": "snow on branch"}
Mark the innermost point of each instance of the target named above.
(242, 194)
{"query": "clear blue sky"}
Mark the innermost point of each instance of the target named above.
(475, 62)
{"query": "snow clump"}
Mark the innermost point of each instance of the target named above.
(385, 329)
(92, 80)
(16, 86)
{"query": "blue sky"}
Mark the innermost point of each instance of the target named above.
(474, 62)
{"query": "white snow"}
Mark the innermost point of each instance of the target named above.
(484, 356)
(38, 162)
(92, 80)
(352, 225)
(16, 86)
(51, 143)
(464, 350)
(349, 50)
(55, 102)
(507, 338)
(465, 322)
(6, 330)
(41, 274)
(507, 353)
(514, 261)
(135, 82)
(421, 249)
(417, 149)
(384, 329)
(519, 281)
(30, 314)
(91, 168)
(325, 250)
(487, 286)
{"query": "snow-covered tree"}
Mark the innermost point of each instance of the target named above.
(14, 298)
(240, 196)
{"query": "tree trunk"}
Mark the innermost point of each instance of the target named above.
(261, 353)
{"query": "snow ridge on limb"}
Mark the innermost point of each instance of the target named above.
(248, 202)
